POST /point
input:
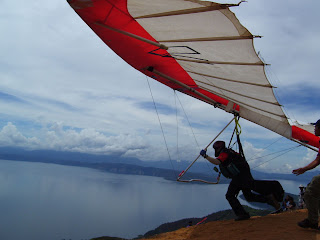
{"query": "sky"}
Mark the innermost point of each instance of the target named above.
(63, 89)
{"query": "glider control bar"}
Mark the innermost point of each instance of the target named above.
(162, 46)
(198, 180)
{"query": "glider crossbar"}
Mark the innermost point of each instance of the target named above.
(198, 180)
(162, 46)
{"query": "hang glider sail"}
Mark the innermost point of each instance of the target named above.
(196, 47)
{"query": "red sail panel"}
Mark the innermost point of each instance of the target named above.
(138, 54)
(305, 136)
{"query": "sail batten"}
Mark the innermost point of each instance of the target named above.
(243, 103)
(235, 92)
(230, 38)
(232, 80)
(219, 62)
(181, 12)
(201, 45)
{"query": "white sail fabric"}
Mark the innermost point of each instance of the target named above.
(213, 47)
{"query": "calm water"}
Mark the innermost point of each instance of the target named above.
(52, 202)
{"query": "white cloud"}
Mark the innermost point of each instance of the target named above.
(311, 155)
(10, 136)
(60, 138)
(254, 156)
(86, 98)
(90, 141)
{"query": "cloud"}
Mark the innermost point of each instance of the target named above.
(254, 155)
(151, 147)
(10, 136)
(287, 167)
(89, 141)
(62, 88)
(10, 98)
(60, 138)
(277, 156)
(311, 155)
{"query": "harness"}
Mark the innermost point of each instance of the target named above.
(229, 168)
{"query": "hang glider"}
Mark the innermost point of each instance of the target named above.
(196, 47)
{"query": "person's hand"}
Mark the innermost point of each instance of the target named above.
(298, 171)
(203, 153)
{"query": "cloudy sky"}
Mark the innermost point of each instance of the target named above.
(62, 88)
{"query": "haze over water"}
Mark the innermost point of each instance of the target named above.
(53, 202)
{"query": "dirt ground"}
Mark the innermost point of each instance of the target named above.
(272, 227)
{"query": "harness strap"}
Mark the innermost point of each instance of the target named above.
(238, 132)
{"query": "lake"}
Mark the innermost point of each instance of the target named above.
(54, 202)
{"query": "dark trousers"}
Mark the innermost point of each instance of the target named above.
(260, 187)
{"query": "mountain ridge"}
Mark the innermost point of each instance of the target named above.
(125, 165)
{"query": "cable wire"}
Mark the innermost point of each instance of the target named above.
(164, 137)
(286, 151)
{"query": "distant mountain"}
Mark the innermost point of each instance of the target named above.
(124, 165)
(112, 164)
(13, 153)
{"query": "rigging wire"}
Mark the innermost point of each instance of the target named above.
(194, 136)
(164, 137)
(253, 157)
(185, 114)
(284, 152)
(270, 154)
(162, 130)
(236, 130)
(175, 102)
